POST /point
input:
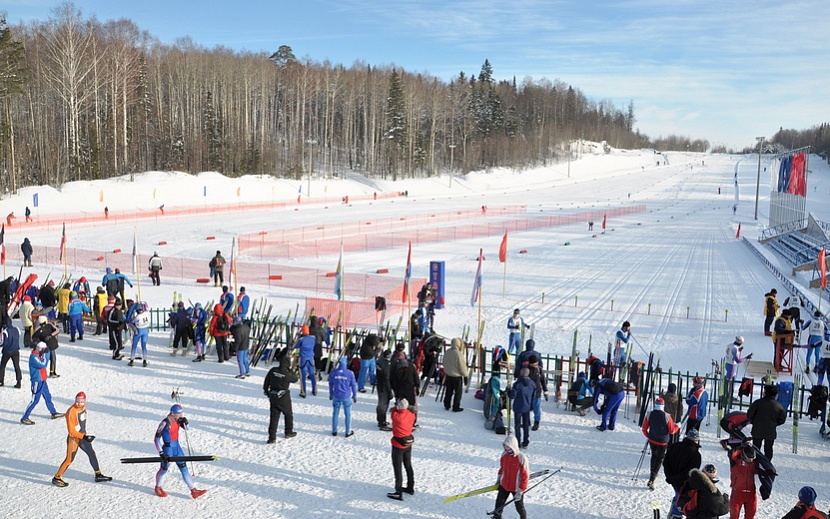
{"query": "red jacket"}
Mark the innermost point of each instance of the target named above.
(741, 473)
(513, 470)
(403, 420)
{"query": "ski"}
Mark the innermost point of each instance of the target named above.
(655, 507)
(498, 510)
(17, 298)
(796, 407)
(491, 488)
(175, 459)
(476, 360)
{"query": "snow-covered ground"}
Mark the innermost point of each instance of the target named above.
(673, 270)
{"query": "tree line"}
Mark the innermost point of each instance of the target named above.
(83, 99)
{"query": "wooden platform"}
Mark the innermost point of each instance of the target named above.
(758, 369)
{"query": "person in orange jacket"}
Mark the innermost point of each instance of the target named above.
(78, 439)
(220, 328)
(514, 474)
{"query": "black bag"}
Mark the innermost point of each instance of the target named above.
(746, 387)
(817, 402)
(222, 324)
(380, 303)
(406, 440)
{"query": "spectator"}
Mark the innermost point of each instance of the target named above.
(342, 393)
(658, 427)
(766, 414)
(403, 421)
(26, 249)
(455, 375)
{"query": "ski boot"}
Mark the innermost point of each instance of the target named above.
(144, 363)
(55, 416)
(397, 496)
(100, 478)
(58, 482)
(160, 492)
(195, 493)
(131, 363)
(650, 484)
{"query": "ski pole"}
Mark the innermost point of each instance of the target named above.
(640, 345)
(176, 395)
(499, 509)
(640, 463)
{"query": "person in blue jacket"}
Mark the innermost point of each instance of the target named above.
(226, 299)
(82, 288)
(305, 345)
(243, 304)
(76, 316)
(621, 343)
(522, 394)
(342, 392)
(697, 401)
(167, 445)
(523, 360)
(38, 361)
(613, 394)
(114, 283)
(198, 319)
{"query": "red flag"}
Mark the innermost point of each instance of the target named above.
(503, 249)
(822, 267)
(738, 234)
(603, 221)
(63, 242)
(405, 295)
(3, 245)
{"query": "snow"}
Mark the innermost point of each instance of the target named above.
(672, 270)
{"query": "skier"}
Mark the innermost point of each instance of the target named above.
(38, 361)
(217, 268)
(141, 322)
(698, 402)
(514, 474)
(595, 367)
(622, 337)
(167, 444)
(76, 311)
(219, 329)
(26, 249)
(614, 395)
(455, 375)
(824, 358)
(305, 346)
(243, 304)
(156, 264)
(658, 427)
(116, 323)
(681, 458)
(815, 340)
(522, 394)
(342, 393)
(369, 350)
(580, 394)
(733, 358)
(276, 388)
(794, 304)
(806, 506)
(81, 287)
(766, 414)
(733, 423)
(226, 299)
(48, 333)
(241, 338)
(516, 326)
(770, 310)
(403, 421)
(198, 318)
(10, 342)
(121, 280)
(383, 388)
(742, 467)
(78, 439)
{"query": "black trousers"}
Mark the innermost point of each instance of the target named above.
(501, 499)
(116, 340)
(658, 452)
(402, 458)
(15, 358)
(383, 406)
(181, 335)
(222, 347)
(453, 389)
(280, 405)
(767, 446)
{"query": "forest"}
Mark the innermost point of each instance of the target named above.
(84, 99)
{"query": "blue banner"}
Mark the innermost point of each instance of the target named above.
(34, 199)
(436, 280)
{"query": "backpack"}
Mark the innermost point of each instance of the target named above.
(817, 402)
(222, 324)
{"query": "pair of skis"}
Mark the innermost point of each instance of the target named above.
(492, 488)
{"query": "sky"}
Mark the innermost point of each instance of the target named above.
(671, 270)
(726, 72)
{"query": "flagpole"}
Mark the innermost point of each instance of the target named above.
(137, 275)
(503, 282)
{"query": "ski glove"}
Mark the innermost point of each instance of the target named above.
(546, 396)
(465, 380)
(748, 357)
(89, 438)
(183, 421)
(164, 456)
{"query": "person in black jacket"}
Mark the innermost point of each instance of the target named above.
(241, 333)
(116, 324)
(711, 502)
(680, 458)
(183, 329)
(48, 299)
(48, 333)
(276, 388)
(26, 249)
(765, 415)
(383, 387)
(404, 379)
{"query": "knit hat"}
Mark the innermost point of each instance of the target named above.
(698, 381)
(711, 471)
(403, 403)
(304, 329)
(807, 495)
(41, 319)
(524, 372)
(80, 398)
(41, 346)
(672, 388)
(770, 390)
(693, 435)
(659, 404)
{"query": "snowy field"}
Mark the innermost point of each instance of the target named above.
(672, 270)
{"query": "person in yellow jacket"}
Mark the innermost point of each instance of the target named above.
(770, 310)
(26, 310)
(63, 306)
(98, 304)
(78, 439)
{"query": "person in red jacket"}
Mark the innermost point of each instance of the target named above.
(742, 466)
(806, 506)
(658, 427)
(514, 474)
(403, 421)
(220, 331)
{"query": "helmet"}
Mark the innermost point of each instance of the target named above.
(176, 409)
(80, 398)
(198, 305)
(739, 339)
(711, 471)
(807, 495)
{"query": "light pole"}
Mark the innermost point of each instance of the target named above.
(452, 152)
(758, 181)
